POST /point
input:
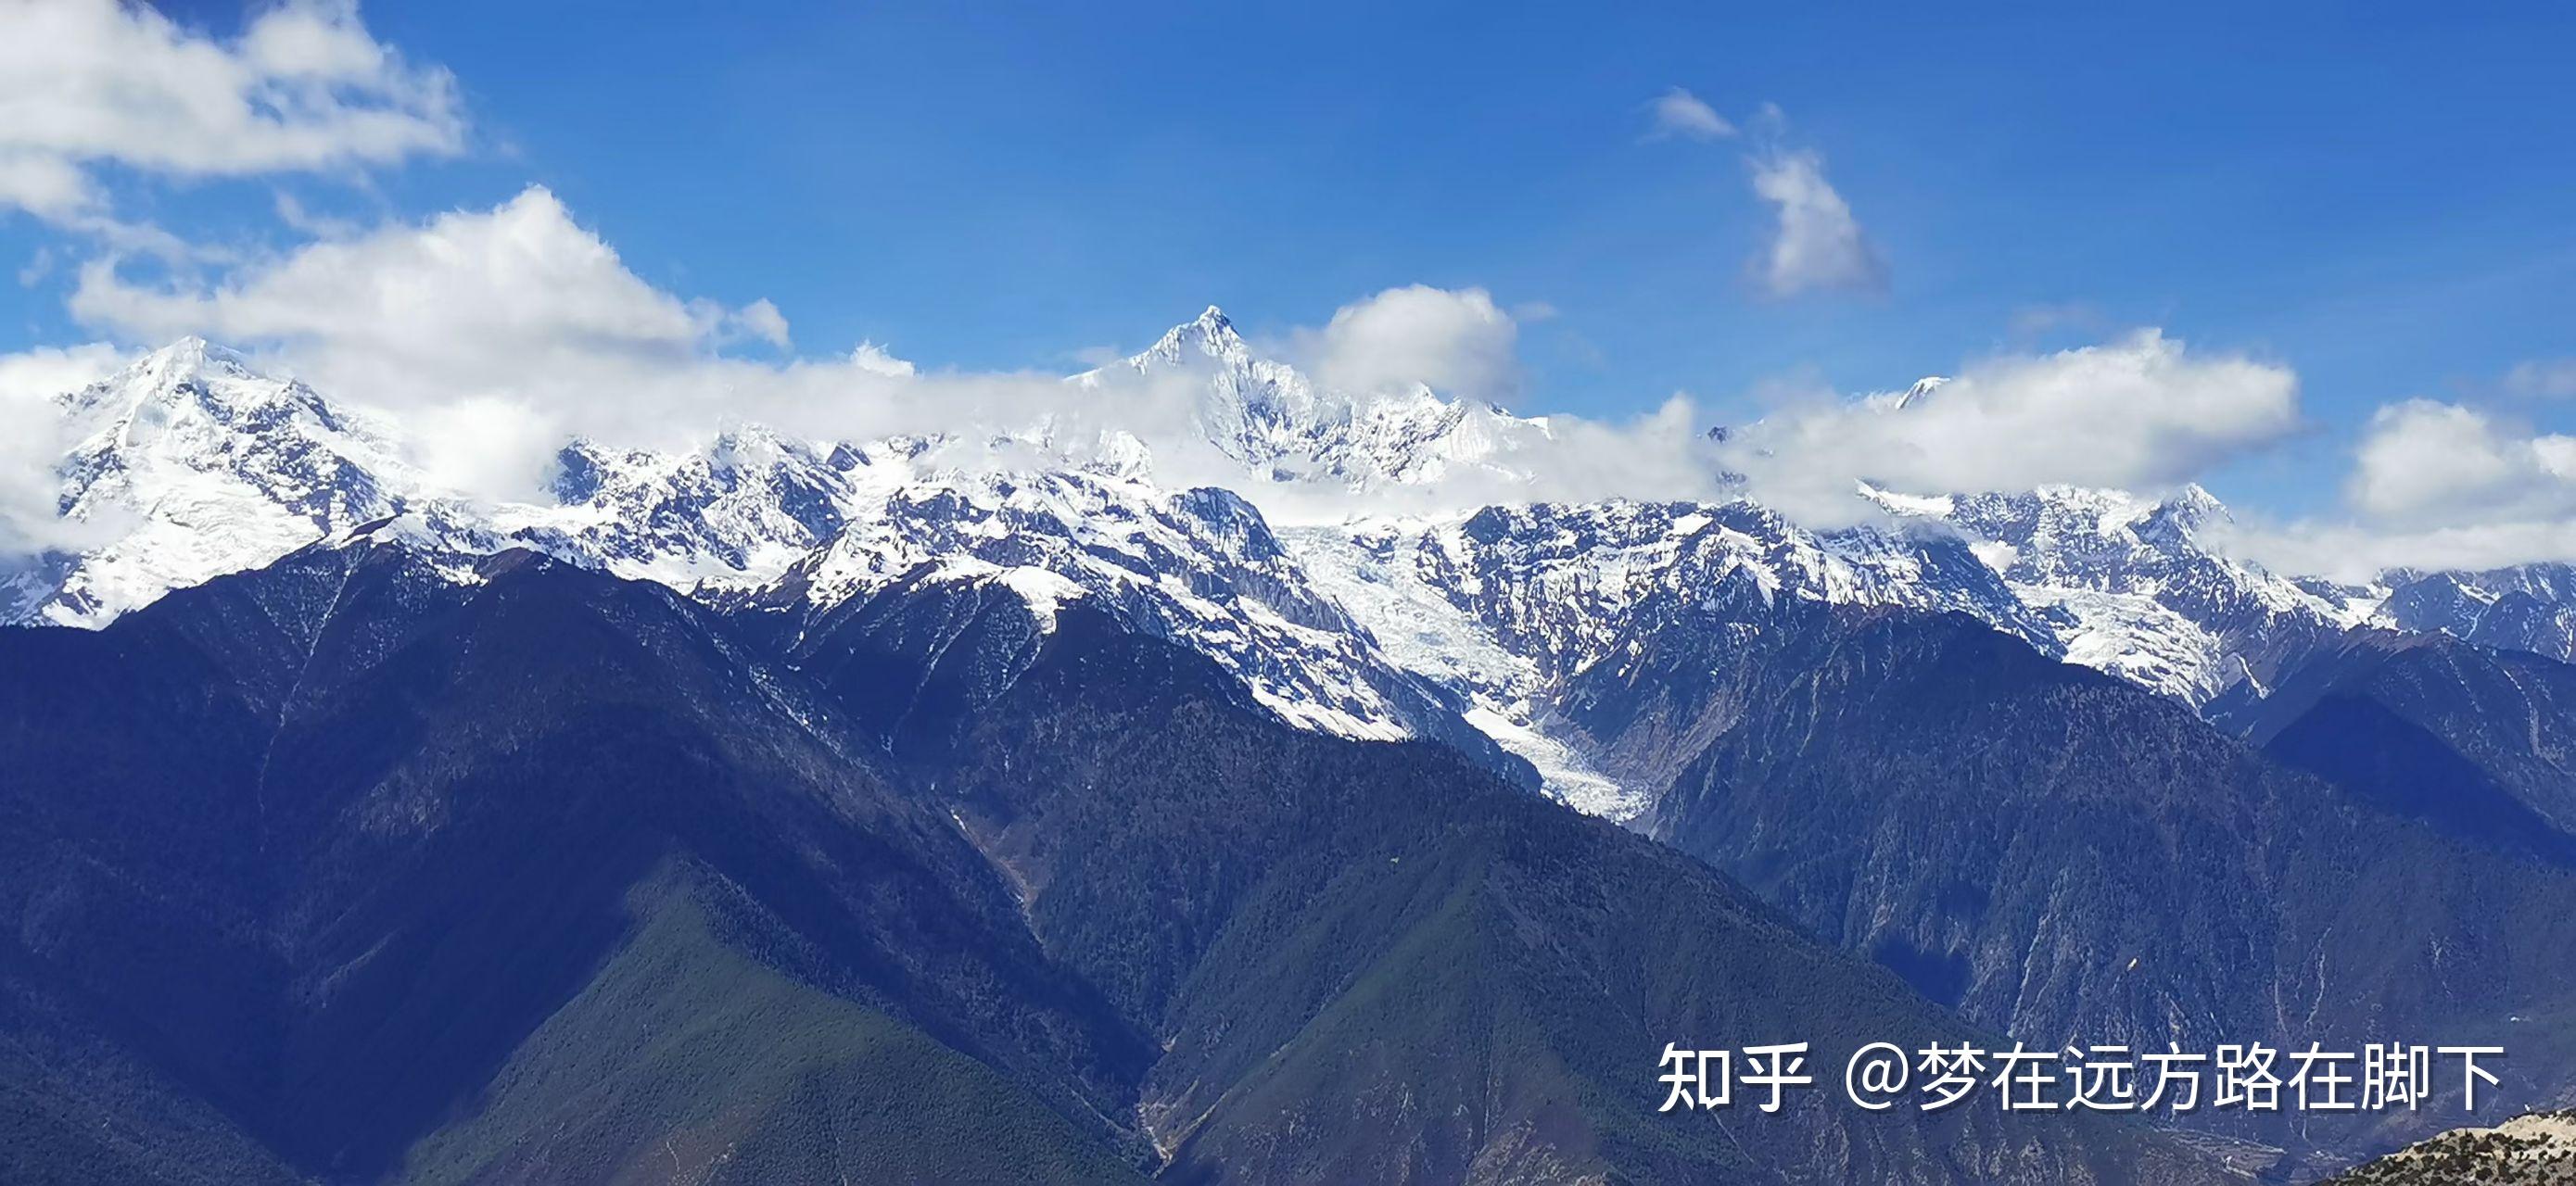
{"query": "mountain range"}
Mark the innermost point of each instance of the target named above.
(191, 463)
(717, 804)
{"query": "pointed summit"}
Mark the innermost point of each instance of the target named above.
(190, 357)
(1211, 334)
(1922, 388)
(193, 378)
(181, 373)
(2187, 510)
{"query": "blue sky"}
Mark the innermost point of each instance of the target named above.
(2384, 201)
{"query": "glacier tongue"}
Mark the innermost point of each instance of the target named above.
(1509, 603)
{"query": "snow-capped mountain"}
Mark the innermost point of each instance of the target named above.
(738, 511)
(207, 467)
(189, 464)
(1197, 566)
(2530, 607)
(2127, 584)
(1274, 420)
(1510, 603)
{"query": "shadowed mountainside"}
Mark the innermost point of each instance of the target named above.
(2067, 858)
(383, 866)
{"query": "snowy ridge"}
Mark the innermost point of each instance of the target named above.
(2530, 607)
(1198, 567)
(2127, 586)
(1272, 419)
(189, 464)
(1509, 603)
(739, 511)
(192, 465)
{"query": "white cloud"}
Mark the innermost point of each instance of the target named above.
(29, 380)
(37, 375)
(762, 320)
(1456, 341)
(2434, 485)
(1815, 245)
(47, 186)
(305, 87)
(2141, 411)
(2437, 485)
(876, 359)
(471, 302)
(2545, 378)
(491, 444)
(1679, 114)
(2425, 460)
(1662, 454)
(2358, 552)
(494, 334)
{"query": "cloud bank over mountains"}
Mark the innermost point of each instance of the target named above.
(2440, 485)
(2143, 411)
(495, 334)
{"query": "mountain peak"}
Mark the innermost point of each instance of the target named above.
(1922, 387)
(1211, 333)
(193, 373)
(2191, 507)
(1898, 401)
(189, 357)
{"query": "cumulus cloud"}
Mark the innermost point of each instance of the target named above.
(761, 319)
(494, 334)
(2422, 459)
(29, 380)
(1679, 114)
(471, 301)
(1455, 341)
(516, 298)
(1815, 245)
(2358, 552)
(2437, 485)
(33, 376)
(2140, 411)
(304, 87)
(876, 359)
